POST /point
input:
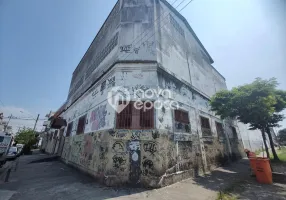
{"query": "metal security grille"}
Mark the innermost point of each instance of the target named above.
(134, 118)
(182, 116)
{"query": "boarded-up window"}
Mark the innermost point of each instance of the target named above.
(135, 117)
(182, 116)
(81, 125)
(69, 129)
(219, 129)
(234, 132)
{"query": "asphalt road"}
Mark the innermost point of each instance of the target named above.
(54, 181)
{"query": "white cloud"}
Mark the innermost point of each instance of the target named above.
(21, 113)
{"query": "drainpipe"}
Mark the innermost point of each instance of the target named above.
(177, 145)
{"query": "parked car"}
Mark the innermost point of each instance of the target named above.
(5, 143)
(20, 149)
(12, 154)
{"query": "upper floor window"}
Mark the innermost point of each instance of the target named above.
(69, 129)
(206, 128)
(182, 122)
(182, 116)
(219, 129)
(81, 125)
(205, 123)
(135, 116)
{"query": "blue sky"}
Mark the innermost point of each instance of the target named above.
(41, 43)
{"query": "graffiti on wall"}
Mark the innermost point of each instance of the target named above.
(118, 147)
(150, 147)
(119, 162)
(76, 148)
(119, 158)
(148, 167)
(138, 75)
(87, 152)
(97, 117)
(135, 159)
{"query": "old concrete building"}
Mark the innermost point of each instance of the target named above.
(145, 46)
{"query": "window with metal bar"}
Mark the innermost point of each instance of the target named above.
(81, 125)
(135, 118)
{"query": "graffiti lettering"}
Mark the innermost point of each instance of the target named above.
(150, 147)
(155, 134)
(138, 76)
(126, 48)
(121, 133)
(111, 82)
(118, 147)
(118, 161)
(135, 135)
(148, 167)
(111, 132)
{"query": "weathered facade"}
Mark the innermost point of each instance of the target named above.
(146, 45)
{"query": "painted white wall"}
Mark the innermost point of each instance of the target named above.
(179, 52)
(137, 36)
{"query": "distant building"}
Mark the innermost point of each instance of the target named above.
(144, 47)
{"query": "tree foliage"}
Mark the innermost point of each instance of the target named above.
(26, 137)
(282, 135)
(258, 104)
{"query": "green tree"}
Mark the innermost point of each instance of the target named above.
(282, 135)
(257, 104)
(26, 137)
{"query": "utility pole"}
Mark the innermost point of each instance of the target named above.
(7, 123)
(36, 123)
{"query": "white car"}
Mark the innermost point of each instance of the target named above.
(12, 153)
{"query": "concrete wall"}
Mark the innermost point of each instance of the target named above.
(179, 51)
(149, 157)
(149, 56)
(97, 60)
(137, 36)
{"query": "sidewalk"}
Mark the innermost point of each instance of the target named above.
(55, 180)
